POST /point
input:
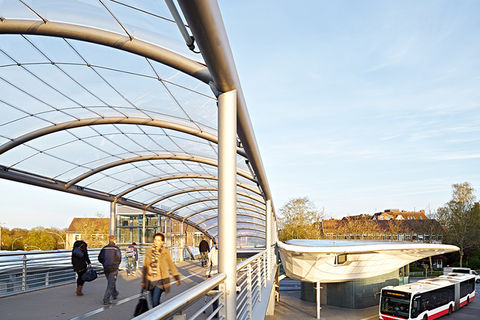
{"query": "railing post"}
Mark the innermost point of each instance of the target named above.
(47, 278)
(265, 270)
(24, 273)
(249, 288)
(259, 276)
(227, 197)
(268, 242)
(144, 222)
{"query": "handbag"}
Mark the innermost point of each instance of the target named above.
(90, 274)
(142, 305)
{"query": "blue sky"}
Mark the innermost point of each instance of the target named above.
(360, 105)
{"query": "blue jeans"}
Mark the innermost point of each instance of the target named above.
(111, 291)
(156, 293)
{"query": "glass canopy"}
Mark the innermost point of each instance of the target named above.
(104, 99)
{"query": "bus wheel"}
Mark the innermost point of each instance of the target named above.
(450, 309)
(425, 317)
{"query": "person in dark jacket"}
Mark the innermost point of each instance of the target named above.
(110, 257)
(204, 248)
(80, 260)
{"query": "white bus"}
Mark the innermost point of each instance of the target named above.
(427, 299)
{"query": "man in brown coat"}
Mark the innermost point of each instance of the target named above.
(157, 266)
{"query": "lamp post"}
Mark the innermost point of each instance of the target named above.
(15, 240)
(61, 237)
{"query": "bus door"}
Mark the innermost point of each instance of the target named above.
(457, 296)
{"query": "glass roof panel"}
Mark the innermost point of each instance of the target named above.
(49, 82)
(16, 10)
(199, 108)
(85, 12)
(15, 48)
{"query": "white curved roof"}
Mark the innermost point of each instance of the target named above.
(315, 260)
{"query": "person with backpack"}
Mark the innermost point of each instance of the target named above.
(204, 248)
(80, 260)
(132, 257)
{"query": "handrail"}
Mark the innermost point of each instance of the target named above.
(252, 277)
(169, 307)
(249, 260)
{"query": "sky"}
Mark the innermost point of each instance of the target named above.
(360, 106)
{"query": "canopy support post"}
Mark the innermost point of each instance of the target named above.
(113, 218)
(227, 199)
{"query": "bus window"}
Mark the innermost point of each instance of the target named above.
(416, 307)
(395, 306)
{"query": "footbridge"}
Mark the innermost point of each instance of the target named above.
(139, 103)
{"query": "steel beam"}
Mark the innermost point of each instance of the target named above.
(39, 181)
(173, 194)
(205, 21)
(111, 120)
(114, 40)
(174, 177)
(166, 156)
(238, 221)
(213, 199)
(218, 207)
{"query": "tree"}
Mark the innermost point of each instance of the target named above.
(300, 219)
(461, 219)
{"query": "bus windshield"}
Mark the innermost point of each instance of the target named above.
(395, 303)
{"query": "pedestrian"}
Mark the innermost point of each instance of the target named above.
(212, 269)
(132, 257)
(204, 249)
(157, 265)
(110, 257)
(80, 260)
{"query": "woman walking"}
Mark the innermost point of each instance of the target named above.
(157, 266)
(80, 260)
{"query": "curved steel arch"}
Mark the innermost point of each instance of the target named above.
(244, 236)
(173, 194)
(169, 156)
(111, 120)
(212, 208)
(110, 39)
(238, 214)
(182, 176)
(212, 199)
(244, 229)
(238, 221)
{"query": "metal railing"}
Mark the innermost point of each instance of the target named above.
(253, 275)
(26, 271)
(32, 270)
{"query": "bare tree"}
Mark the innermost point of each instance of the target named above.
(461, 219)
(300, 219)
